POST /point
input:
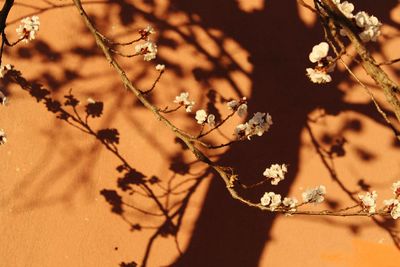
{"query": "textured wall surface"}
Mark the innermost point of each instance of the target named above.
(57, 182)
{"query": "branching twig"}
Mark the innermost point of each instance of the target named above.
(225, 173)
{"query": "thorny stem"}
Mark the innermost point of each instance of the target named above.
(225, 173)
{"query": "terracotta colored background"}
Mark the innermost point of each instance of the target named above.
(51, 209)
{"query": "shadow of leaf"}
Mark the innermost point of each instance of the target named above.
(110, 136)
(114, 200)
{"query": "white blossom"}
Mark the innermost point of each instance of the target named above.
(232, 104)
(242, 110)
(318, 76)
(319, 52)
(3, 99)
(276, 172)
(346, 8)
(395, 213)
(201, 116)
(160, 67)
(393, 205)
(211, 120)
(4, 69)
(148, 49)
(315, 195)
(149, 30)
(396, 188)
(240, 130)
(28, 28)
(271, 199)
(368, 201)
(3, 137)
(183, 99)
(290, 203)
(257, 125)
(370, 25)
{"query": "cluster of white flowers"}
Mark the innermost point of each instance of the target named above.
(370, 25)
(290, 203)
(271, 200)
(258, 125)
(393, 205)
(318, 76)
(160, 67)
(276, 172)
(28, 28)
(3, 137)
(239, 106)
(346, 8)
(148, 49)
(183, 99)
(315, 195)
(319, 52)
(149, 30)
(4, 69)
(202, 117)
(396, 188)
(325, 64)
(368, 201)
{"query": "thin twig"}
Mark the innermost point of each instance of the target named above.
(224, 172)
(390, 62)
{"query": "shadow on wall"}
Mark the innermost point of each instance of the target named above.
(228, 233)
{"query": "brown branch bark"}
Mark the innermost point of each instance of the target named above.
(226, 173)
(389, 87)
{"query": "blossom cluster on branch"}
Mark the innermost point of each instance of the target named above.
(257, 124)
(369, 30)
